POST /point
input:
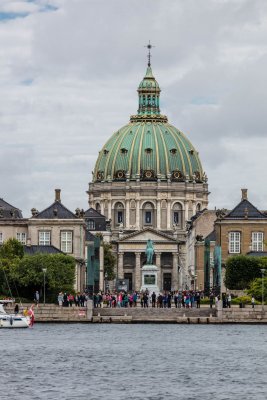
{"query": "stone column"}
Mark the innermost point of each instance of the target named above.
(186, 205)
(158, 215)
(158, 264)
(168, 214)
(137, 214)
(137, 277)
(120, 266)
(109, 210)
(127, 216)
(102, 205)
(194, 207)
(175, 271)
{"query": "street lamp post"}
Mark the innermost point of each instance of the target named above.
(44, 271)
(262, 288)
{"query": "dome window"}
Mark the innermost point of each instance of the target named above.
(124, 151)
(191, 152)
(177, 175)
(149, 174)
(173, 151)
(120, 174)
(106, 151)
(148, 150)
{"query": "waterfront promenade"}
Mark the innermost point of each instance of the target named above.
(204, 315)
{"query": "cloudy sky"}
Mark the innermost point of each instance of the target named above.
(69, 70)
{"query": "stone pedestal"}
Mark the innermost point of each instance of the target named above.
(150, 279)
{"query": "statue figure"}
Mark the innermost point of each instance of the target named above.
(149, 252)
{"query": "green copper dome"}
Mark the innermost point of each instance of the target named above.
(148, 148)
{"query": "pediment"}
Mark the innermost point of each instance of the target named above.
(145, 234)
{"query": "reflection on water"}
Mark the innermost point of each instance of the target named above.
(102, 361)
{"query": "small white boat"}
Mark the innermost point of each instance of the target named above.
(12, 320)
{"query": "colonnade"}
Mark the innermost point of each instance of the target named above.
(136, 270)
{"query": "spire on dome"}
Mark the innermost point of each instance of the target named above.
(149, 46)
(148, 93)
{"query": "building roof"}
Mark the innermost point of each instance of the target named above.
(148, 147)
(245, 210)
(8, 211)
(92, 213)
(56, 211)
(211, 236)
(34, 249)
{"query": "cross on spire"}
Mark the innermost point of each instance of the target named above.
(149, 47)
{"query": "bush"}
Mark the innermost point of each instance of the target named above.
(242, 270)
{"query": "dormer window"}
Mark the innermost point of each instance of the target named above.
(191, 152)
(173, 151)
(91, 224)
(106, 151)
(124, 151)
(148, 150)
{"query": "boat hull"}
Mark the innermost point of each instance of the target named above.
(14, 321)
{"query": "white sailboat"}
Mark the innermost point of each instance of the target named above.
(12, 320)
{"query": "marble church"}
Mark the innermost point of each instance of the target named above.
(148, 181)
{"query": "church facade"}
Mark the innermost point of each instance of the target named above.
(148, 181)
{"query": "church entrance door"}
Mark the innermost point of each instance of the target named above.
(167, 281)
(129, 276)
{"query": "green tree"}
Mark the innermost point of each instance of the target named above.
(109, 261)
(11, 252)
(242, 270)
(255, 288)
(59, 276)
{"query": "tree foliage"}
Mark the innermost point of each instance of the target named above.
(109, 261)
(242, 270)
(11, 252)
(255, 288)
(24, 273)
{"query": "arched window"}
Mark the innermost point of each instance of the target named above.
(119, 213)
(98, 207)
(198, 208)
(177, 213)
(148, 214)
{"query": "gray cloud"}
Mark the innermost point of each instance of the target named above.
(68, 80)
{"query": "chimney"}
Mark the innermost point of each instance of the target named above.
(57, 195)
(244, 194)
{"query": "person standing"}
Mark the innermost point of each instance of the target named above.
(36, 298)
(60, 299)
(253, 302)
(16, 309)
(153, 298)
(229, 299)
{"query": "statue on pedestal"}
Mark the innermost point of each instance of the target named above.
(149, 252)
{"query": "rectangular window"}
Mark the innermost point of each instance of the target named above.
(66, 241)
(120, 217)
(44, 238)
(257, 241)
(21, 237)
(91, 225)
(234, 242)
(1, 237)
(148, 217)
(176, 217)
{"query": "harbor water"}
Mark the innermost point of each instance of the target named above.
(145, 361)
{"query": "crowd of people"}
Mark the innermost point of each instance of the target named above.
(70, 300)
(178, 299)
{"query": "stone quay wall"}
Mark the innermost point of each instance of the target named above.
(204, 315)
